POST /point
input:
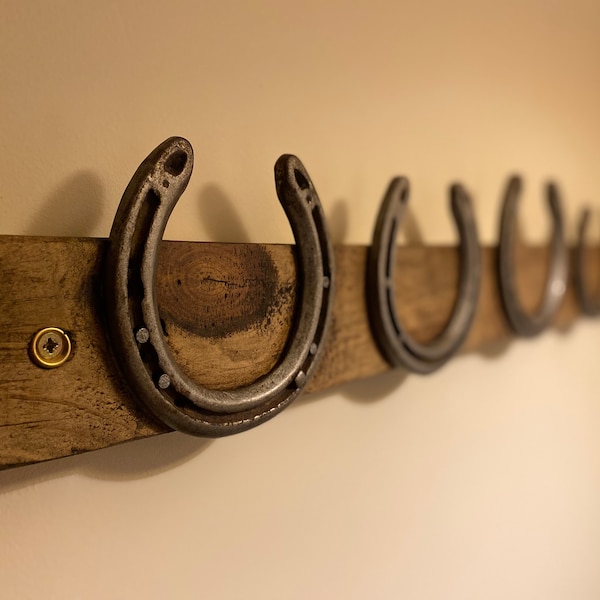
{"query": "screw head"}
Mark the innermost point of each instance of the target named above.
(50, 348)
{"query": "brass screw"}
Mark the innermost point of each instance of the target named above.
(50, 348)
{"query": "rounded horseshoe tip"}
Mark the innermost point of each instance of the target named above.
(515, 185)
(399, 191)
(174, 158)
(553, 199)
(292, 180)
(460, 199)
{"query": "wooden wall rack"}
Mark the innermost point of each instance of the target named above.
(227, 309)
(136, 320)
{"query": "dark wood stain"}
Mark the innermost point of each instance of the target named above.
(218, 291)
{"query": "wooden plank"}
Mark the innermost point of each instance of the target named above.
(227, 310)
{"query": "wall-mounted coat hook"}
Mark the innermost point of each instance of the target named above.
(136, 332)
(217, 373)
(525, 324)
(397, 345)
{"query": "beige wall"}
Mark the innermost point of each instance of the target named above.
(481, 481)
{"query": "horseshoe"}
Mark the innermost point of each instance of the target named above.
(398, 347)
(589, 305)
(522, 323)
(134, 326)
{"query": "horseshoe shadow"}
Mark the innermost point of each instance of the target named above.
(73, 209)
(123, 462)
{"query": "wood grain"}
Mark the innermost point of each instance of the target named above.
(227, 309)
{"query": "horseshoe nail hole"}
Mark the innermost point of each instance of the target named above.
(176, 163)
(326, 281)
(390, 251)
(301, 180)
(165, 183)
(313, 348)
(164, 327)
(308, 198)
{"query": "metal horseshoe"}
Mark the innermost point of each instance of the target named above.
(589, 305)
(556, 284)
(398, 347)
(134, 325)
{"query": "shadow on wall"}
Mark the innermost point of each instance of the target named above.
(218, 214)
(337, 222)
(410, 230)
(73, 209)
(151, 456)
(125, 462)
(363, 391)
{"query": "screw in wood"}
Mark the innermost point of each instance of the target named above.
(50, 348)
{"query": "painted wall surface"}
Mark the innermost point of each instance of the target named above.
(481, 481)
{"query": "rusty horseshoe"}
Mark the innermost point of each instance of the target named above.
(135, 330)
(398, 347)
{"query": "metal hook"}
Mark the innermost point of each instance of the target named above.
(134, 324)
(556, 284)
(399, 348)
(589, 305)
